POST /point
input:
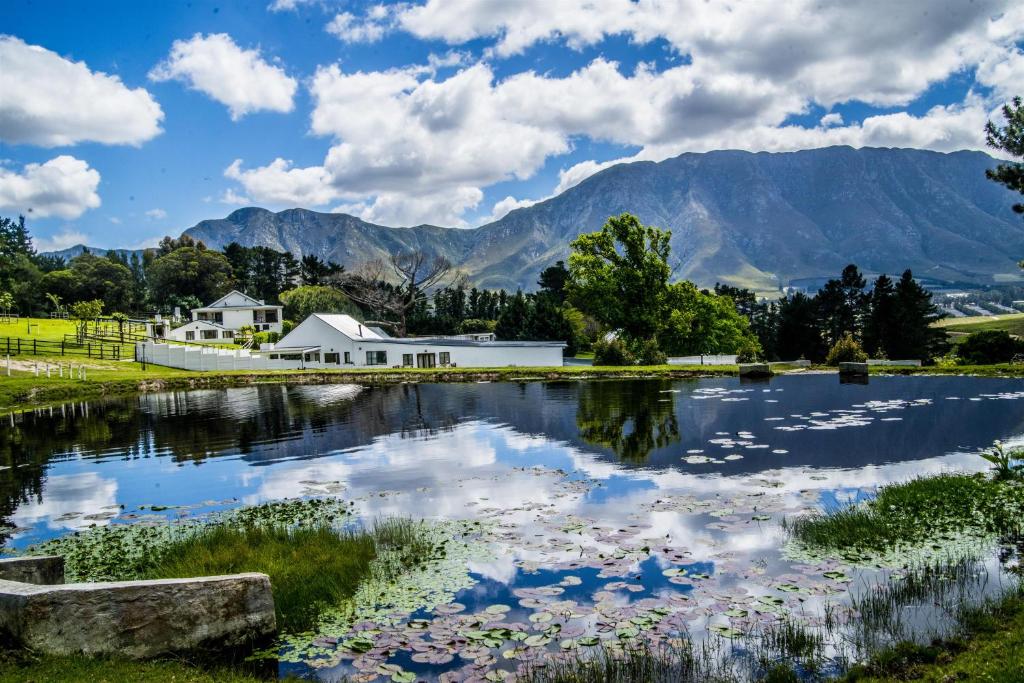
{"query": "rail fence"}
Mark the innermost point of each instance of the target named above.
(21, 346)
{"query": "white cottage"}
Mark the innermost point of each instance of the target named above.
(340, 340)
(201, 332)
(235, 310)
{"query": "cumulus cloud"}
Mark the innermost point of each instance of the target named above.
(51, 101)
(239, 79)
(350, 29)
(59, 241)
(503, 207)
(63, 186)
(408, 145)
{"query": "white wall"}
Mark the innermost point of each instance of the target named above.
(178, 333)
(213, 358)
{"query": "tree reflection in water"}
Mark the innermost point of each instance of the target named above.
(630, 418)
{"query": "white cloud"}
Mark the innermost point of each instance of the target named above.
(232, 197)
(239, 79)
(60, 240)
(831, 119)
(279, 183)
(409, 146)
(349, 29)
(51, 101)
(288, 5)
(156, 214)
(503, 207)
(63, 186)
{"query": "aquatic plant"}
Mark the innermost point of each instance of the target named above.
(310, 568)
(1006, 464)
(679, 661)
(935, 509)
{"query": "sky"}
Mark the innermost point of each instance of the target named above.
(121, 122)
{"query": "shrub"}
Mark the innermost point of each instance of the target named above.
(846, 350)
(1006, 464)
(612, 352)
(471, 325)
(749, 352)
(287, 326)
(266, 338)
(990, 346)
(648, 353)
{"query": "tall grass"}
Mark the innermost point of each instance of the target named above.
(920, 509)
(681, 662)
(311, 569)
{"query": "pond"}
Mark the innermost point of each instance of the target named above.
(596, 505)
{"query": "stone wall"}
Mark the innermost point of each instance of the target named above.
(139, 619)
(37, 569)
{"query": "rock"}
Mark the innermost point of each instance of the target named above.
(39, 569)
(140, 619)
(853, 368)
(755, 370)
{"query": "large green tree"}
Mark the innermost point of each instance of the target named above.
(189, 271)
(301, 302)
(619, 275)
(89, 277)
(1009, 138)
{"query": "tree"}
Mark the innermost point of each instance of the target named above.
(14, 238)
(699, 322)
(1009, 139)
(90, 277)
(189, 271)
(619, 275)
(881, 328)
(841, 306)
(314, 271)
(916, 337)
(303, 301)
(416, 273)
(83, 312)
(798, 332)
(553, 280)
(513, 321)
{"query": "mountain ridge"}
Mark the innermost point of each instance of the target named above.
(756, 219)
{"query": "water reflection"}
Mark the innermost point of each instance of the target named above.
(215, 447)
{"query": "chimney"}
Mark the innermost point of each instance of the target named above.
(360, 330)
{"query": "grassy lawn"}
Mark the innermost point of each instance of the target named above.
(28, 668)
(38, 328)
(1011, 322)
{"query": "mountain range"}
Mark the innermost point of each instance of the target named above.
(761, 220)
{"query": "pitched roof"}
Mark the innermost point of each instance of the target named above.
(348, 326)
(218, 303)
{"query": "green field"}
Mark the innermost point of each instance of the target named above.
(1011, 322)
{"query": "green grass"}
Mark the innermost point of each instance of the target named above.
(913, 512)
(990, 647)
(310, 569)
(29, 668)
(41, 328)
(1011, 322)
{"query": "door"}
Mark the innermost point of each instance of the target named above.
(426, 360)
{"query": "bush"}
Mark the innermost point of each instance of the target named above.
(265, 338)
(648, 353)
(749, 352)
(990, 346)
(612, 352)
(287, 326)
(472, 325)
(846, 350)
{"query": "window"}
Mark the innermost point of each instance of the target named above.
(190, 336)
(218, 318)
(271, 316)
(208, 334)
(227, 334)
(332, 358)
(446, 358)
(376, 357)
(407, 360)
(348, 358)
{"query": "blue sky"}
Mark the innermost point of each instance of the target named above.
(122, 121)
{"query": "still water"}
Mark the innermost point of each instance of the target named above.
(593, 491)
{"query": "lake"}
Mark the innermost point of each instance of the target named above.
(656, 503)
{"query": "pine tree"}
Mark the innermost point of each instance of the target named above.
(881, 326)
(512, 323)
(914, 336)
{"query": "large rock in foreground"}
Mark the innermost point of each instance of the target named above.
(139, 619)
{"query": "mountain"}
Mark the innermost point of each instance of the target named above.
(761, 220)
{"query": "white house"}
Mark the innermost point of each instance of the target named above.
(235, 310)
(336, 340)
(201, 332)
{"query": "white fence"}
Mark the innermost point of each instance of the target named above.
(703, 360)
(212, 358)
